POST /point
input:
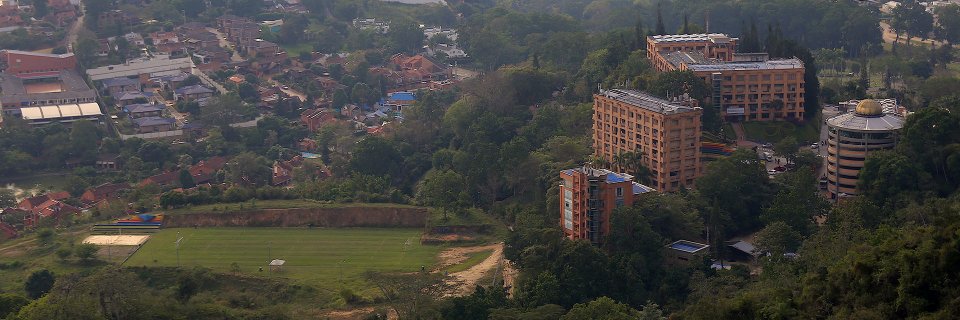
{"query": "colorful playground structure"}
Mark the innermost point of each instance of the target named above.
(714, 150)
(138, 223)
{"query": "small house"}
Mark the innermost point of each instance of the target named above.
(190, 93)
(153, 124)
(142, 110)
(116, 86)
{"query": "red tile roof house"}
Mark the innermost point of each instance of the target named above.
(103, 192)
(54, 209)
(417, 69)
(205, 170)
(10, 16)
(45, 206)
(283, 171)
(202, 172)
(164, 37)
(166, 179)
(31, 203)
(11, 221)
(308, 144)
(315, 118)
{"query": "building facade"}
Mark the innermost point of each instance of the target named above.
(853, 136)
(667, 133)
(588, 197)
(717, 46)
(745, 86)
(755, 90)
(23, 63)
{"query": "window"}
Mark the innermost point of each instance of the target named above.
(619, 192)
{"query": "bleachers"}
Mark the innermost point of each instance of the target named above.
(124, 229)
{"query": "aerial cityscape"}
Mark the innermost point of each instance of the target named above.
(479, 159)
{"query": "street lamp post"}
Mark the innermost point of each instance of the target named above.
(179, 239)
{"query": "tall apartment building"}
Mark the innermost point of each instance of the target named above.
(667, 133)
(716, 46)
(746, 86)
(755, 90)
(588, 197)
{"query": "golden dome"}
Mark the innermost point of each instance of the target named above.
(868, 107)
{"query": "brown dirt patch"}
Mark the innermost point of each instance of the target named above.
(458, 255)
(355, 314)
(462, 283)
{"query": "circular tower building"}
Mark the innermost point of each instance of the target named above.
(853, 136)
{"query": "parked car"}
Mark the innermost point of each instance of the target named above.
(814, 146)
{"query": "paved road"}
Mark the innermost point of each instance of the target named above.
(75, 28)
(290, 92)
(180, 117)
(226, 44)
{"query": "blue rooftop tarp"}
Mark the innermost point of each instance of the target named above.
(615, 178)
(403, 96)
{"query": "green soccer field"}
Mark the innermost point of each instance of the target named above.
(318, 256)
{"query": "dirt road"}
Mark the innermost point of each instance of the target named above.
(890, 37)
(462, 283)
(75, 28)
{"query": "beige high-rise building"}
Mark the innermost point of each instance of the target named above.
(666, 132)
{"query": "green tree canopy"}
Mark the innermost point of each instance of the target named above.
(602, 308)
(39, 283)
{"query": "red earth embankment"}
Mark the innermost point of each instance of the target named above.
(359, 216)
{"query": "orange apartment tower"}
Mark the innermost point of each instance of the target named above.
(667, 133)
(715, 46)
(746, 86)
(588, 197)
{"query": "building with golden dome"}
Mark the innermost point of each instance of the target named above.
(872, 126)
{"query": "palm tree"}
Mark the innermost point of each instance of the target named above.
(619, 161)
(633, 164)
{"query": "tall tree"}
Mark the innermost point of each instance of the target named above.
(39, 283)
(406, 36)
(186, 179)
(40, 9)
(602, 308)
(948, 23)
(661, 29)
(375, 156)
(7, 198)
(797, 202)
